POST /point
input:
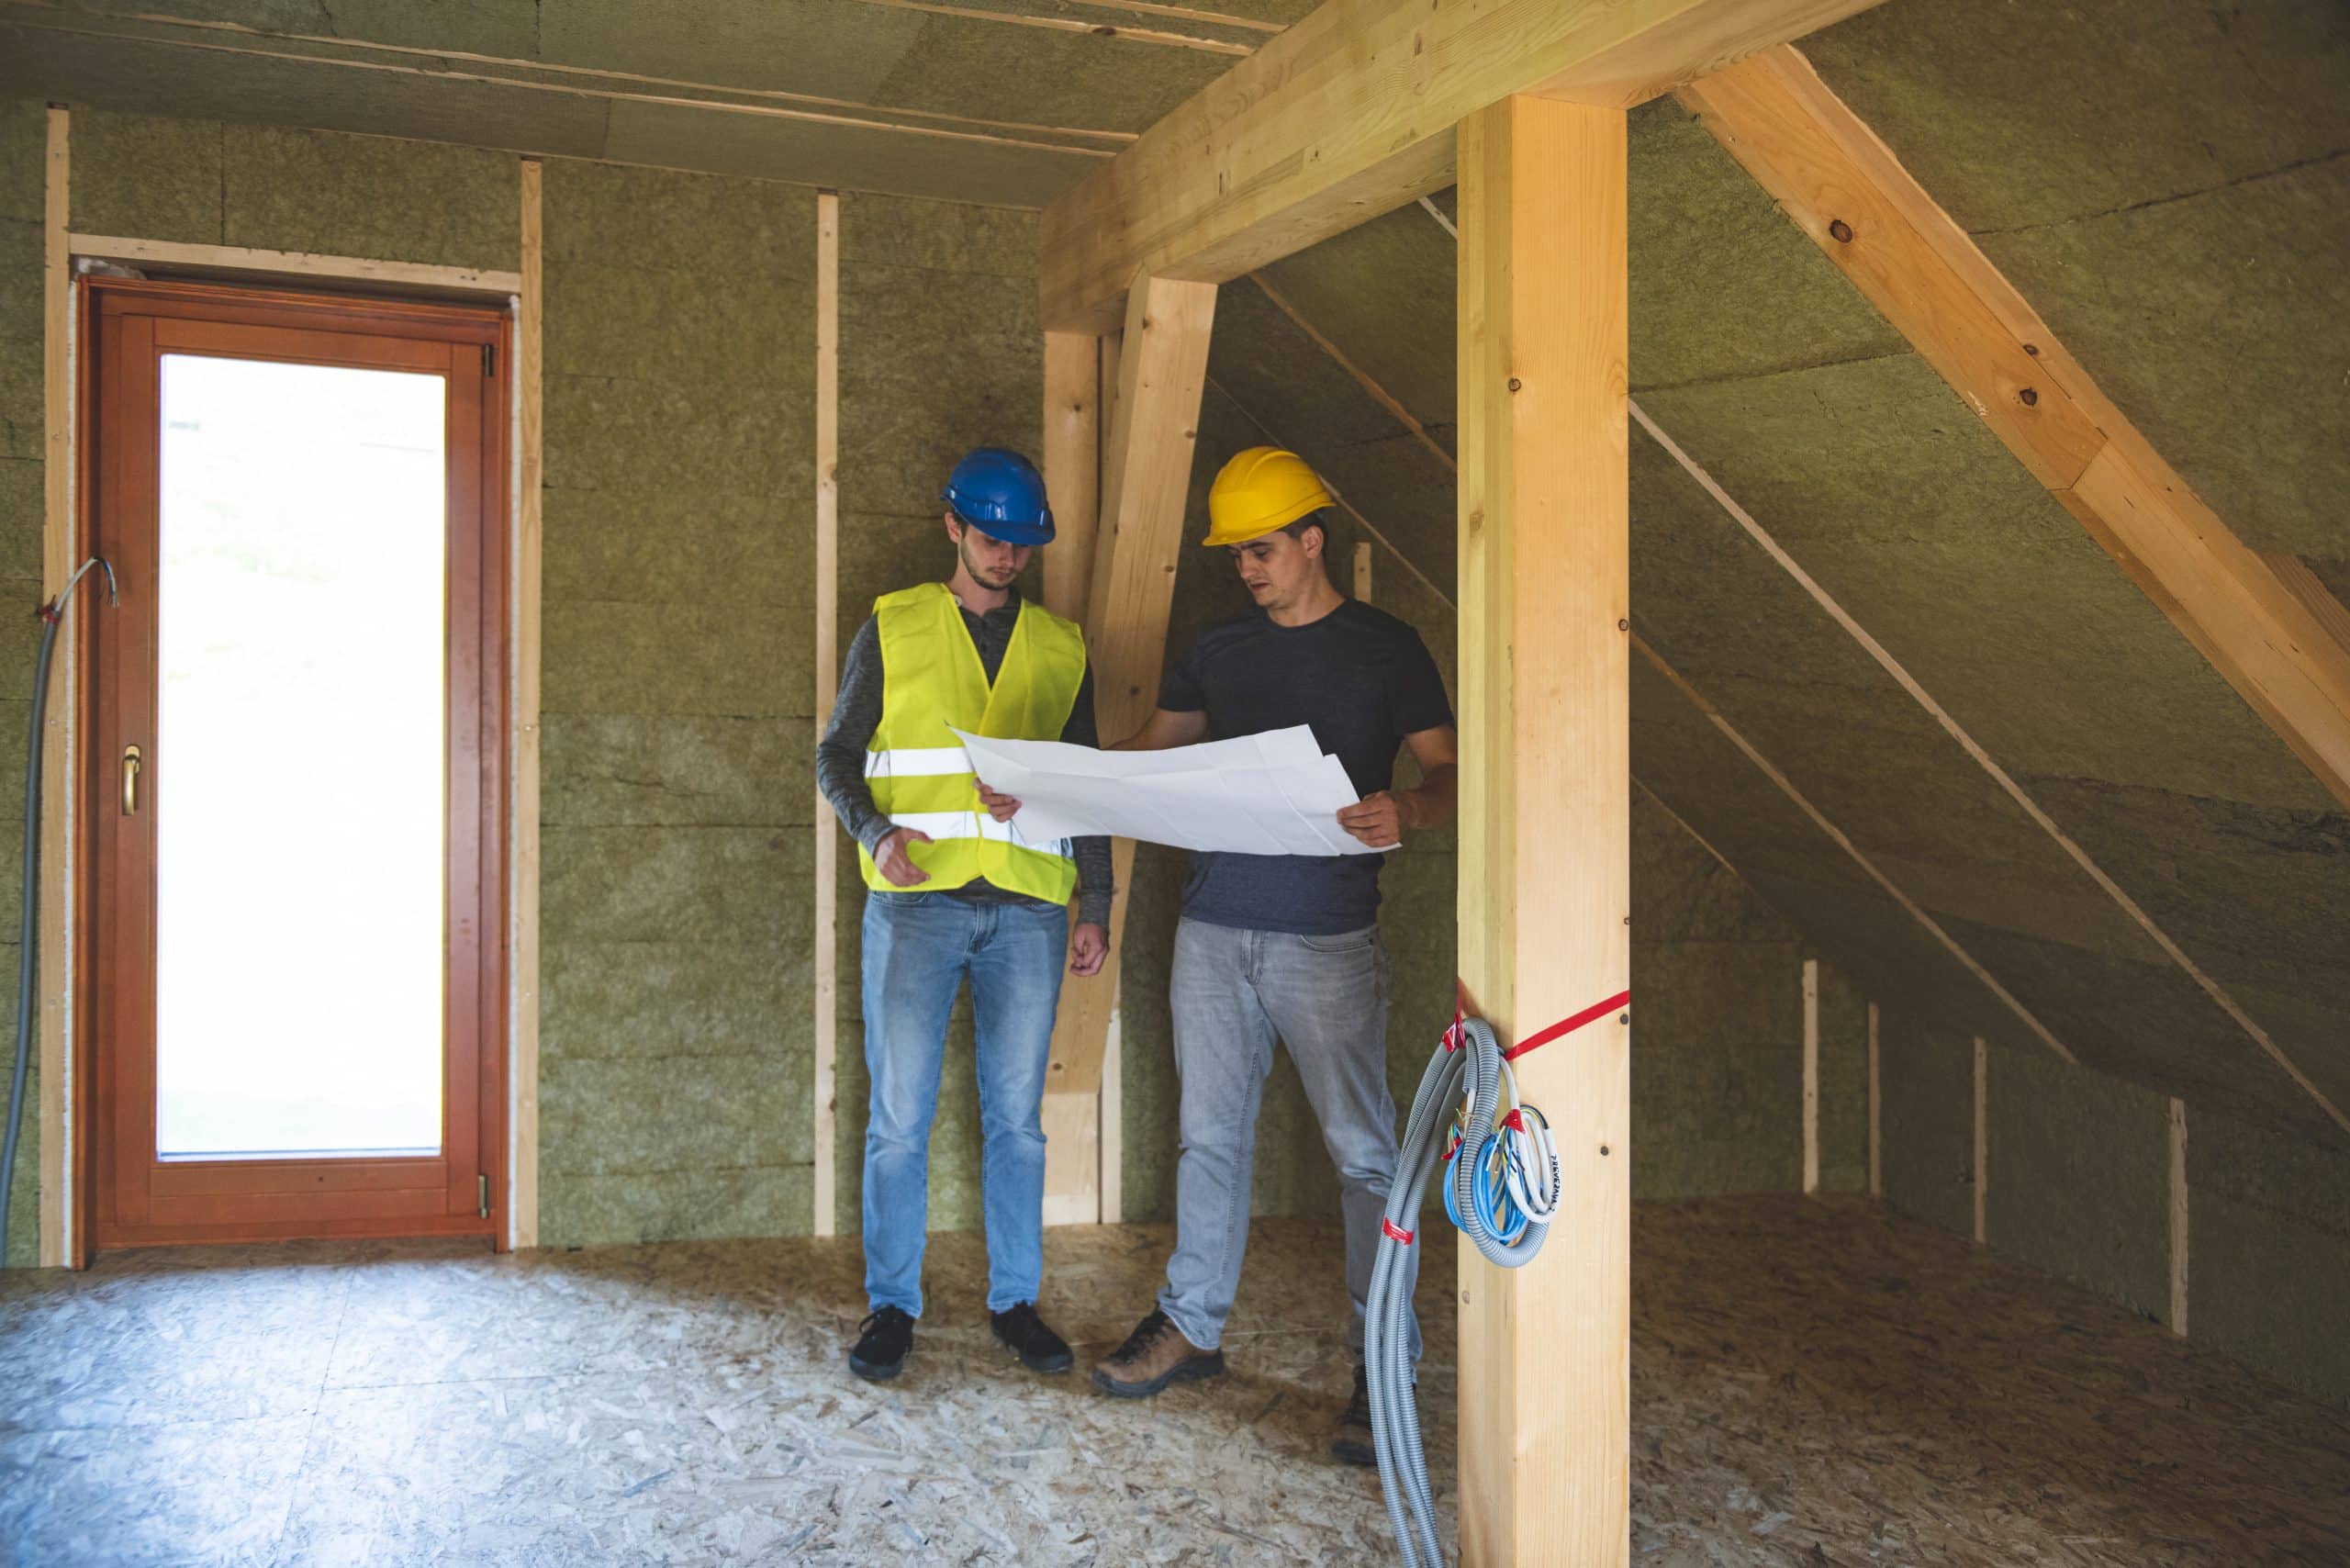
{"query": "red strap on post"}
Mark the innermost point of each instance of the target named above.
(1463, 1004)
(1567, 1026)
(1393, 1232)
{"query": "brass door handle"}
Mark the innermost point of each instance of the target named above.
(131, 763)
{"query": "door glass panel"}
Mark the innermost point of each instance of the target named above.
(299, 763)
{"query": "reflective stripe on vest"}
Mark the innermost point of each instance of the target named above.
(945, 762)
(923, 780)
(932, 678)
(943, 825)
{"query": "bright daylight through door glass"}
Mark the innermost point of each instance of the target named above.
(298, 768)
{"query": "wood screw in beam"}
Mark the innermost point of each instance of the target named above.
(1515, 384)
(1840, 231)
(1623, 626)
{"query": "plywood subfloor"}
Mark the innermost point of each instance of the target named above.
(1812, 1384)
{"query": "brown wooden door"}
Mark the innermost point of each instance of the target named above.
(281, 1042)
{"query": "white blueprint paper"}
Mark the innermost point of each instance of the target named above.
(1271, 794)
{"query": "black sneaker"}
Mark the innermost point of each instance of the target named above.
(882, 1342)
(1021, 1331)
(1352, 1445)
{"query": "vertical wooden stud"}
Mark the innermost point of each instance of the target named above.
(1113, 1129)
(1112, 1109)
(1073, 460)
(1545, 1350)
(828, 677)
(1145, 479)
(1073, 1116)
(59, 548)
(530, 311)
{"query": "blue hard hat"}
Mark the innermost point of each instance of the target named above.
(1000, 494)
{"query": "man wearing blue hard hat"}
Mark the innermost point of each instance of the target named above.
(953, 895)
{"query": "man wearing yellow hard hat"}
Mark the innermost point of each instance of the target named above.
(1285, 946)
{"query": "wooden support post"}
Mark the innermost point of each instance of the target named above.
(1072, 467)
(1072, 1117)
(59, 548)
(530, 359)
(1146, 481)
(1114, 1129)
(823, 1189)
(1811, 1075)
(1362, 572)
(1544, 808)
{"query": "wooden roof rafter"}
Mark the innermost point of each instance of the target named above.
(1844, 187)
(1350, 113)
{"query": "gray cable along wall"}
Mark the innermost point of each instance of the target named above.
(24, 137)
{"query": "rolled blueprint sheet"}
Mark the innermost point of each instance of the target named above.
(1276, 793)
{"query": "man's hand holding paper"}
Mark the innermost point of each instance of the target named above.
(1275, 793)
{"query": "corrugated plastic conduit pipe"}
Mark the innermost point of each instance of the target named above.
(1469, 1062)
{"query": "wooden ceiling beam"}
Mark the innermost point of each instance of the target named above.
(1350, 113)
(1844, 189)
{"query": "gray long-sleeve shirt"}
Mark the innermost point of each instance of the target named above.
(857, 713)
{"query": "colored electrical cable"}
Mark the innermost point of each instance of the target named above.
(1502, 1185)
(1451, 1129)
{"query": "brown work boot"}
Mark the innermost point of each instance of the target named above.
(1155, 1355)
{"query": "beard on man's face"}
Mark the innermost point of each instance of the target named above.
(995, 576)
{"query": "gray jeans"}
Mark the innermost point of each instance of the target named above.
(1326, 997)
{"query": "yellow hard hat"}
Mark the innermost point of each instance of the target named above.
(1260, 490)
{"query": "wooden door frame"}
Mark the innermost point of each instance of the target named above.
(490, 321)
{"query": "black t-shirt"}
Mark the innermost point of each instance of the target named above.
(1363, 680)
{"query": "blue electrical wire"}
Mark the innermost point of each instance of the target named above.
(1489, 1191)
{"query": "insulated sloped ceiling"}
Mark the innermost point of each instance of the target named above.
(1752, 355)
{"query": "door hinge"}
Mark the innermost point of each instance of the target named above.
(489, 359)
(485, 1197)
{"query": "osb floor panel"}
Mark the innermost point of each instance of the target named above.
(1812, 1383)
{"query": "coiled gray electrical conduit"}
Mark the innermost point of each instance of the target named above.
(1387, 1346)
(28, 920)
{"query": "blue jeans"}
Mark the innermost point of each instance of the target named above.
(919, 947)
(1325, 998)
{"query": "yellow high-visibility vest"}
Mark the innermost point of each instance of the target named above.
(931, 677)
